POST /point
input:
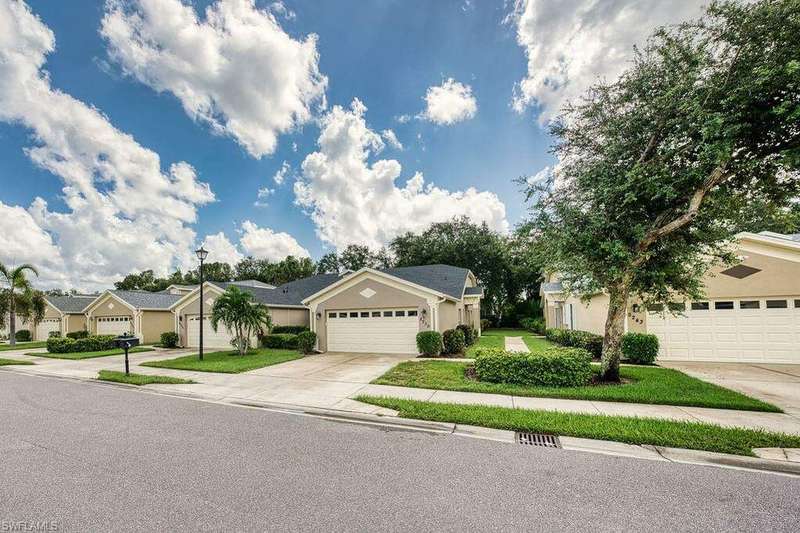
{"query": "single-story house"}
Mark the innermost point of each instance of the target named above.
(64, 314)
(368, 311)
(750, 313)
(144, 314)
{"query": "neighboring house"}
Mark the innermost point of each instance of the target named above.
(144, 314)
(751, 312)
(64, 314)
(371, 311)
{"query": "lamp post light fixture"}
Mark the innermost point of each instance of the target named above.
(201, 255)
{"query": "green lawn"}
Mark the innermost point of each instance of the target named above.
(495, 338)
(647, 385)
(615, 428)
(23, 346)
(140, 379)
(229, 362)
(90, 355)
(4, 362)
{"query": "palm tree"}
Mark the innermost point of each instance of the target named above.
(17, 298)
(241, 315)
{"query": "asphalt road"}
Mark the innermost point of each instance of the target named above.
(83, 456)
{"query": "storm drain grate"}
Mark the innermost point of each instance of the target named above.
(538, 439)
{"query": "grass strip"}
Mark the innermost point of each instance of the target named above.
(650, 384)
(691, 435)
(23, 346)
(4, 362)
(90, 355)
(140, 379)
(228, 362)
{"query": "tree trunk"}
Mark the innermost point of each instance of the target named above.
(12, 322)
(615, 328)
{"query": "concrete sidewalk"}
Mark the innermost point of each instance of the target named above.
(331, 381)
(516, 344)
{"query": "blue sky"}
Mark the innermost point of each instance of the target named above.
(386, 54)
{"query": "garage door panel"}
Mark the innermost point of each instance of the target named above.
(114, 325)
(211, 339)
(372, 334)
(746, 335)
(47, 325)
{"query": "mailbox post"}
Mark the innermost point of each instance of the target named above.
(126, 342)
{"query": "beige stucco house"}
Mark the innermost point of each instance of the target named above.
(64, 314)
(144, 314)
(369, 311)
(750, 313)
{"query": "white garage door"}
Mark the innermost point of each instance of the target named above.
(734, 330)
(211, 339)
(47, 325)
(114, 325)
(373, 331)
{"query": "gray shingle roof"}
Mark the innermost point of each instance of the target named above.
(552, 287)
(473, 291)
(790, 237)
(71, 304)
(252, 283)
(148, 300)
(446, 279)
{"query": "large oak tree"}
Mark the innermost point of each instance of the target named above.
(656, 169)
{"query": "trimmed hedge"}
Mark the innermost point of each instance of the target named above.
(640, 348)
(553, 367)
(93, 343)
(294, 330)
(169, 339)
(453, 342)
(470, 334)
(82, 334)
(23, 335)
(485, 324)
(536, 325)
(54, 334)
(429, 343)
(306, 341)
(575, 338)
(280, 341)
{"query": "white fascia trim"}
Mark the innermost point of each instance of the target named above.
(382, 277)
(186, 299)
(283, 306)
(100, 299)
(768, 239)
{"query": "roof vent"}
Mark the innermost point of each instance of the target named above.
(740, 271)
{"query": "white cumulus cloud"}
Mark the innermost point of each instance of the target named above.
(353, 200)
(123, 212)
(391, 139)
(449, 103)
(571, 44)
(269, 244)
(220, 249)
(235, 68)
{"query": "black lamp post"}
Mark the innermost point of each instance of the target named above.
(201, 255)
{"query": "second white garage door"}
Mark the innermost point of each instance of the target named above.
(47, 325)
(734, 330)
(211, 339)
(114, 325)
(373, 331)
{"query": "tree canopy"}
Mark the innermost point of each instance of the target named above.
(657, 169)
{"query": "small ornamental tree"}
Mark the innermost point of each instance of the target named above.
(241, 315)
(18, 299)
(657, 168)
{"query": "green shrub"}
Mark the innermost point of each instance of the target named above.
(485, 324)
(453, 342)
(93, 343)
(533, 324)
(306, 341)
(574, 338)
(54, 334)
(78, 334)
(640, 348)
(280, 341)
(553, 367)
(169, 339)
(429, 343)
(294, 330)
(470, 334)
(23, 335)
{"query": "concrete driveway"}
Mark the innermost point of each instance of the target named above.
(776, 384)
(326, 380)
